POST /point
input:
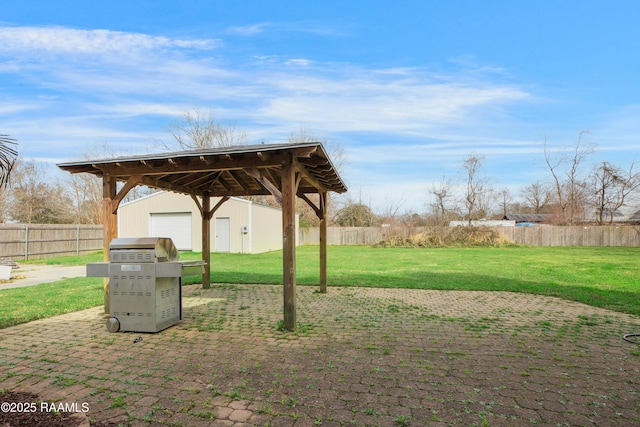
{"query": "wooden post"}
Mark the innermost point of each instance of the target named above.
(323, 241)
(206, 240)
(110, 227)
(207, 214)
(289, 244)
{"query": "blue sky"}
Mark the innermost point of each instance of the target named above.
(406, 88)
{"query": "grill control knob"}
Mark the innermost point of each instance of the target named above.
(113, 324)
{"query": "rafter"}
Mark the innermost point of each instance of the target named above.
(264, 181)
(234, 176)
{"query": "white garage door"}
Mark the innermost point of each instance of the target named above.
(175, 225)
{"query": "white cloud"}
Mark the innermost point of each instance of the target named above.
(391, 154)
(140, 109)
(11, 106)
(299, 62)
(128, 96)
(294, 27)
(68, 40)
(334, 97)
(374, 101)
(247, 30)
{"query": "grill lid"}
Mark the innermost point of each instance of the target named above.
(163, 247)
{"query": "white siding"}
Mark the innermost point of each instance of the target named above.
(265, 229)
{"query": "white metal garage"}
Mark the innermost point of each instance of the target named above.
(239, 226)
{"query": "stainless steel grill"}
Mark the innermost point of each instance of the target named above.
(145, 283)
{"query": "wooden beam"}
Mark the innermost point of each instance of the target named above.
(128, 186)
(289, 244)
(201, 163)
(323, 241)
(163, 185)
(300, 167)
(215, 208)
(228, 191)
(222, 181)
(193, 165)
(186, 179)
(321, 213)
(266, 183)
(236, 179)
(195, 199)
(206, 241)
(205, 179)
(312, 205)
(110, 228)
(269, 174)
(305, 152)
(207, 214)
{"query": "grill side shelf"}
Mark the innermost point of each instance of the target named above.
(98, 269)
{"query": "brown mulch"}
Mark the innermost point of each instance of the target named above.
(38, 418)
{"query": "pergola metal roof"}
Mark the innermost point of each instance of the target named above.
(281, 170)
(247, 170)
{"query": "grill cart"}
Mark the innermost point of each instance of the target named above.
(145, 283)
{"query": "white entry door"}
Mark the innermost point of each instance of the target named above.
(223, 235)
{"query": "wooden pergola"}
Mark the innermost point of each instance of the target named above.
(281, 170)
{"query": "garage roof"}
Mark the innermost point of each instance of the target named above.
(228, 171)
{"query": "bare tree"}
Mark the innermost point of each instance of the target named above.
(612, 186)
(505, 200)
(566, 170)
(199, 130)
(85, 192)
(536, 196)
(34, 199)
(441, 194)
(391, 212)
(475, 187)
(8, 156)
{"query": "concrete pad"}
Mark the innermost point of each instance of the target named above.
(31, 274)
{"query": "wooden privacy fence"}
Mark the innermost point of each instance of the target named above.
(532, 236)
(25, 241)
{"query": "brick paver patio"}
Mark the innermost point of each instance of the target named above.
(361, 356)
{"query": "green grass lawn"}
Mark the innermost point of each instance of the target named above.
(604, 277)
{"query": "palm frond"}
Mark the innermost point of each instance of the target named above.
(8, 156)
